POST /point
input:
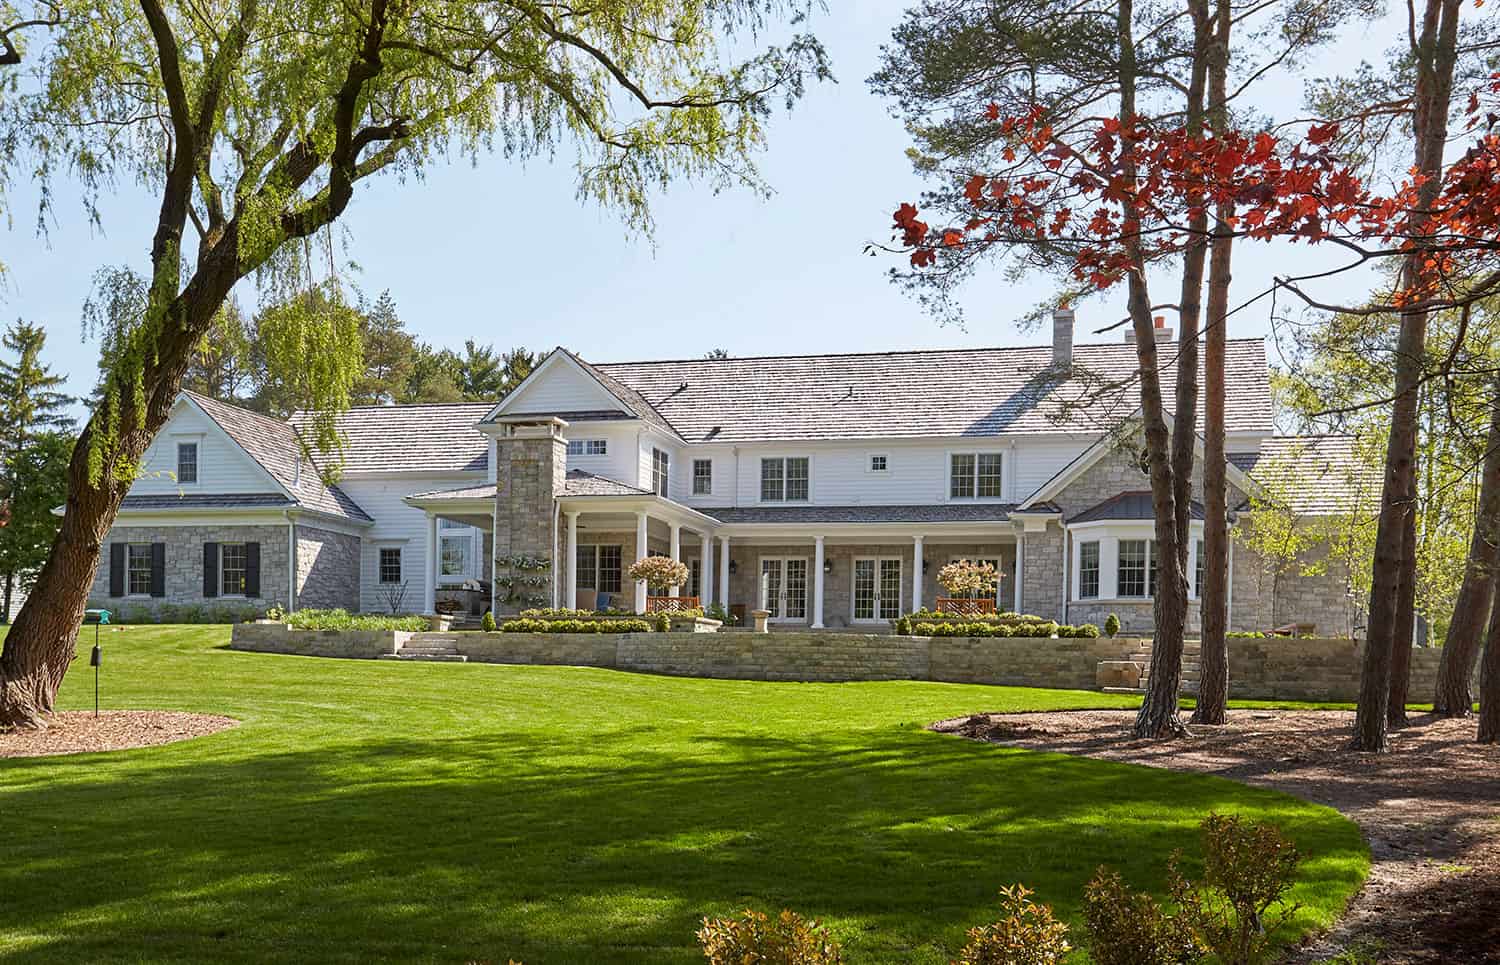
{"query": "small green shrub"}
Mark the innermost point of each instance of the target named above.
(663, 623)
(1129, 928)
(754, 938)
(1112, 625)
(488, 623)
(1248, 868)
(719, 612)
(901, 626)
(1026, 934)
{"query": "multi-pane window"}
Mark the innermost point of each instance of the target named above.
(1198, 572)
(588, 447)
(695, 578)
(187, 462)
(390, 564)
(599, 568)
(784, 479)
(974, 475)
(879, 463)
(455, 550)
(138, 569)
(1088, 570)
(703, 477)
(1135, 569)
(233, 562)
(660, 466)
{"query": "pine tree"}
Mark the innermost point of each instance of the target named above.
(34, 451)
(390, 354)
(434, 377)
(223, 367)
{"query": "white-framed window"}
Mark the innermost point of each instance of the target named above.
(784, 479)
(661, 471)
(695, 578)
(1198, 571)
(390, 564)
(588, 447)
(878, 462)
(187, 462)
(599, 568)
(455, 550)
(1088, 570)
(1137, 568)
(234, 564)
(138, 569)
(974, 475)
(703, 477)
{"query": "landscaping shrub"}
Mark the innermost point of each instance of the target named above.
(663, 623)
(1129, 928)
(720, 613)
(344, 620)
(488, 623)
(1248, 868)
(187, 613)
(1026, 934)
(1112, 625)
(983, 629)
(531, 625)
(902, 626)
(1005, 616)
(755, 937)
(553, 613)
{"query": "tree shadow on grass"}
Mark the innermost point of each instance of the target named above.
(586, 847)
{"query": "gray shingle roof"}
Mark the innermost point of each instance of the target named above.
(1317, 475)
(983, 512)
(276, 446)
(1129, 505)
(580, 483)
(204, 501)
(632, 397)
(435, 438)
(486, 491)
(951, 392)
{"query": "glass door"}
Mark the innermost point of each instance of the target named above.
(784, 585)
(877, 589)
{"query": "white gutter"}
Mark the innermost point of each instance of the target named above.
(291, 555)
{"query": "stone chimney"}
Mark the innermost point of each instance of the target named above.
(1062, 338)
(530, 472)
(1163, 334)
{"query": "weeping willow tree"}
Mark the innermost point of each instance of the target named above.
(253, 122)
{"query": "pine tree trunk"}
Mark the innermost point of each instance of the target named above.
(1406, 621)
(1454, 696)
(1435, 54)
(1489, 683)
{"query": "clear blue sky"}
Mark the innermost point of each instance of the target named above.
(505, 253)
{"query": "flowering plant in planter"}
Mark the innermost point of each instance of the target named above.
(967, 578)
(658, 572)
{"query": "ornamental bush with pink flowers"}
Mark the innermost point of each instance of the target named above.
(658, 572)
(967, 578)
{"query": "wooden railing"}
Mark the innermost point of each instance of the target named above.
(963, 606)
(670, 604)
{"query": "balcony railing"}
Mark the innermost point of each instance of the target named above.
(670, 604)
(964, 606)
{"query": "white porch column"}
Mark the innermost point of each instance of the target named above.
(674, 550)
(640, 553)
(429, 598)
(706, 570)
(916, 574)
(571, 600)
(724, 571)
(817, 583)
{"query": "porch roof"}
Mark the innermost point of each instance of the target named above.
(1126, 506)
(950, 513)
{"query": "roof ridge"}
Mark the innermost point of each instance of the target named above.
(1047, 346)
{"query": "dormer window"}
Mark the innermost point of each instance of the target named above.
(187, 462)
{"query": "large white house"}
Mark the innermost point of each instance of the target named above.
(830, 488)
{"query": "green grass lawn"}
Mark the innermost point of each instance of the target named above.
(371, 810)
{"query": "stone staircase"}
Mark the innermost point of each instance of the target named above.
(429, 647)
(1192, 655)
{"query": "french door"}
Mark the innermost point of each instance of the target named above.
(784, 580)
(877, 589)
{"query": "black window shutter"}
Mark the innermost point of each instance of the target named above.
(210, 570)
(116, 569)
(158, 569)
(252, 569)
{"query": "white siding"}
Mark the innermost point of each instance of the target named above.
(620, 462)
(223, 467)
(562, 387)
(396, 525)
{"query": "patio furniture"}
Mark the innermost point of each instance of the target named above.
(588, 599)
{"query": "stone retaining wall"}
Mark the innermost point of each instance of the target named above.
(1270, 669)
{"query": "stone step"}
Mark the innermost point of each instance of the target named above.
(426, 657)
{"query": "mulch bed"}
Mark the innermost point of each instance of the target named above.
(1430, 810)
(80, 732)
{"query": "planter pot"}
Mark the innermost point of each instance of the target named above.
(439, 622)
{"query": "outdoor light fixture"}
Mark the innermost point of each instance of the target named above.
(734, 567)
(96, 658)
(924, 566)
(827, 565)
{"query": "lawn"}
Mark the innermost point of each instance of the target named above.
(446, 812)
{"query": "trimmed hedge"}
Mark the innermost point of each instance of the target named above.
(1006, 616)
(1047, 629)
(344, 620)
(563, 613)
(532, 625)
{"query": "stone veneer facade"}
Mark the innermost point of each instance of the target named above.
(327, 569)
(184, 566)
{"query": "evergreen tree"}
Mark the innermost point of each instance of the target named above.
(223, 367)
(34, 452)
(390, 354)
(434, 377)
